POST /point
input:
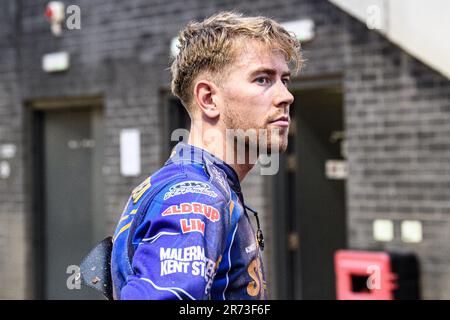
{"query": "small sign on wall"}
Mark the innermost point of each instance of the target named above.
(130, 152)
(336, 169)
(411, 231)
(383, 230)
(5, 170)
(8, 151)
(303, 29)
(55, 62)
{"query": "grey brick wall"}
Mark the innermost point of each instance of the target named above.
(397, 112)
(397, 125)
(13, 200)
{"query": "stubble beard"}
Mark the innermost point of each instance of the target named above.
(271, 140)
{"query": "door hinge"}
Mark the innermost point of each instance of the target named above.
(291, 163)
(293, 241)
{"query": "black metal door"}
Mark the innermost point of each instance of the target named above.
(320, 218)
(68, 215)
(310, 215)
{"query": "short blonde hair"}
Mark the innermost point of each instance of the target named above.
(207, 47)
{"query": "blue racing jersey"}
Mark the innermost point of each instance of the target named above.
(185, 234)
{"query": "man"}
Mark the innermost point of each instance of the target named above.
(185, 232)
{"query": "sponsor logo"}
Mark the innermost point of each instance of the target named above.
(192, 225)
(189, 260)
(219, 178)
(140, 190)
(209, 212)
(257, 286)
(189, 187)
(183, 254)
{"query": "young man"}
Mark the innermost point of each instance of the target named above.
(185, 232)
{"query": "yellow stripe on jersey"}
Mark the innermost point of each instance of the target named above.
(140, 190)
(126, 216)
(124, 228)
(231, 208)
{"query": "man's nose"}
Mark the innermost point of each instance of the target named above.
(283, 97)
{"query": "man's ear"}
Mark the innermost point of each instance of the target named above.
(204, 92)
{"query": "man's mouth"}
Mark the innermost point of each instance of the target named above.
(282, 121)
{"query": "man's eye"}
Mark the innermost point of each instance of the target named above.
(262, 80)
(286, 81)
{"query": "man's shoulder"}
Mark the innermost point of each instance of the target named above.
(192, 181)
(180, 182)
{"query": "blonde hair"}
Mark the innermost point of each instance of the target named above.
(207, 47)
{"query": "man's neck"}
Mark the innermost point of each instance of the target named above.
(219, 150)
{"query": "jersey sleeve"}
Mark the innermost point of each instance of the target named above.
(179, 244)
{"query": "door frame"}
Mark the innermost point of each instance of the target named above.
(166, 98)
(34, 110)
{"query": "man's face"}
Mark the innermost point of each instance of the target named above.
(253, 95)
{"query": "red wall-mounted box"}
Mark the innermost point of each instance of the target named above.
(365, 275)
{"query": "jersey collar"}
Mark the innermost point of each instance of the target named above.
(190, 153)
